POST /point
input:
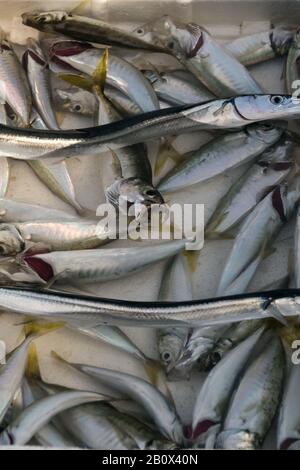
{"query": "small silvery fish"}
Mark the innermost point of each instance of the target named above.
(35, 416)
(288, 431)
(89, 266)
(259, 47)
(15, 211)
(255, 401)
(209, 61)
(14, 88)
(293, 65)
(271, 168)
(161, 411)
(214, 396)
(219, 155)
(53, 235)
(38, 75)
(256, 232)
(83, 27)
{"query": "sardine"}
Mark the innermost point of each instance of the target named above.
(209, 61)
(120, 74)
(35, 416)
(91, 310)
(255, 402)
(14, 211)
(155, 403)
(218, 114)
(38, 75)
(219, 155)
(83, 27)
(288, 433)
(53, 235)
(175, 286)
(293, 65)
(89, 266)
(259, 47)
(174, 89)
(272, 167)
(257, 231)
(213, 398)
(14, 88)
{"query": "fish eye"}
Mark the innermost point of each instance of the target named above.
(166, 356)
(140, 31)
(171, 45)
(276, 99)
(42, 19)
(151, 192)
(215, 358)
(77, 108)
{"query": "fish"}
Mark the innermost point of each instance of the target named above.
(272, 167)
(261, 46)
(221, 154)
(90, 266)
(4, 162)
(218, 114)
(297, 249)
(159, 408)
(93, 310)
(288, 429)
(53, 235)
(257, 232)
(37, 69)
(214, 396)
(39, 413)
(175, 286)
(15, 211)
(233, 335)
(120, 73)
(14, 87)
(293, 65)
(205, 58)
(86, 28)
(176, 89)
(49, 435)
(76, 100)
(255, 401)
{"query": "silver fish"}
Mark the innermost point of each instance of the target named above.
(83, 27)
(272, 167)
(89, 266)
(297, 250)
(54, 235)
(14, 88)
(175, 286)
(209, 61)
(4, 162)
(174, 89)
(259, 47)
(218, 114)
(214, 395)
(255, 401)
(35, 416)
(76, 100)
(288, 433)
(14, 211)
(120, 74)
(220, 155)
(38, 75)
(259, 228)
(11, 375)
(293, 65)
(156, 404)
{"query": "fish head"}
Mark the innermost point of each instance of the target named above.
(44, 20)
(264, 107)
(238, 440)
(169, 348)
(266, 132)
(11, 242)
(127, 192)
(78, 102)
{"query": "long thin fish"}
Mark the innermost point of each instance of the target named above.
(293, 65)
(15, 211)
(218, 114)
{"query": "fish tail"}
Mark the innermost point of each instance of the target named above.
(33, 366)
(153, 369)
(35, 329)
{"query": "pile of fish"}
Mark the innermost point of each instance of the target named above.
(241, 340)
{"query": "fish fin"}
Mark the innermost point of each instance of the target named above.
(116, 165)
(112, 193)
(77, 80)
(100, 73)
(191, 257)
(81, 7)
(35, 328)
(33, 366)
(153, 369)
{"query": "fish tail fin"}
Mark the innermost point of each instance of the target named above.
(35, 329)
(100, 73)
(153, 369)
(77, 80)
(33, 365)
(167, 152)
(81, 7)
